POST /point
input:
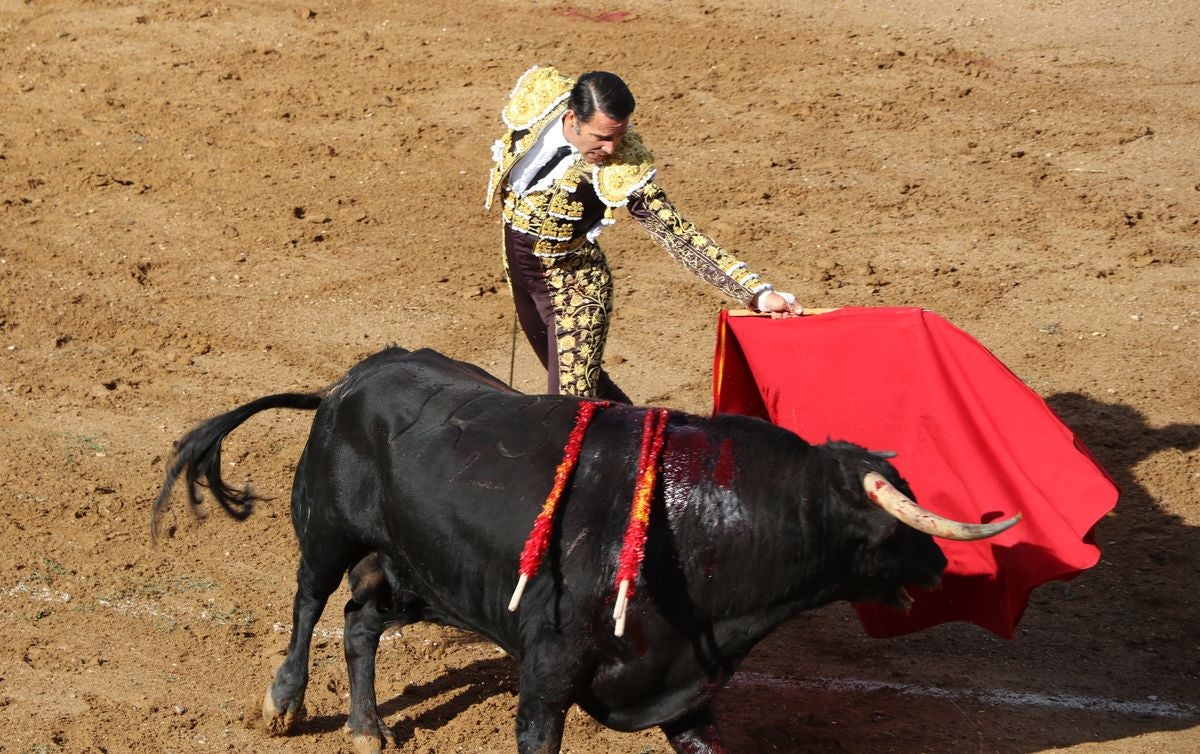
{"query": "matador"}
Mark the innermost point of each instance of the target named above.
(567, 160)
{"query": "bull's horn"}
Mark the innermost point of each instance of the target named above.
(895, 502)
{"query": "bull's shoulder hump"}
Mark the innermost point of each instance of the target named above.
(460, 369)
(396, 367)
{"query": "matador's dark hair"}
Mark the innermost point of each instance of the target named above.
(603, 91)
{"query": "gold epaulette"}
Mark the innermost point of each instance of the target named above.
(631, 168)
(537, 92)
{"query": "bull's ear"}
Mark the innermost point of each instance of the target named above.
(880, 529)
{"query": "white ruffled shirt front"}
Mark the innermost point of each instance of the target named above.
(548, 142)
(543, 149)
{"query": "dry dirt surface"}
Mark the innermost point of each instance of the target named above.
(204, 202)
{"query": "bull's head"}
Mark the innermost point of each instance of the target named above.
(898, 549)
(904, 509)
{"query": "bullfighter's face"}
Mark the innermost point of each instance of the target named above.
(597, 138)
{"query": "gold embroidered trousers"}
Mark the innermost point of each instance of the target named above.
(563, 305)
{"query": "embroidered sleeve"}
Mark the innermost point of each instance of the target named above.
(691, 248)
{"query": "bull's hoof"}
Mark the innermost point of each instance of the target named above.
(278, 721)
(370, 742)
(365, 743)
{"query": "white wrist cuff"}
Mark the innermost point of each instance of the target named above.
(756, 303)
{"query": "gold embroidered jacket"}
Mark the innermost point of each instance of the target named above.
(560, 216)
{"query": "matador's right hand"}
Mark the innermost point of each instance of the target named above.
(780, 305)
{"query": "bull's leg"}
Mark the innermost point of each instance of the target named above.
(365, 622)
(695, 733)
(547, 691)
(285, 696)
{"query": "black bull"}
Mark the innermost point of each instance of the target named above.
(422, 477)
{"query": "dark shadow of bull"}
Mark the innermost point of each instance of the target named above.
(422, 476)
(469, 686)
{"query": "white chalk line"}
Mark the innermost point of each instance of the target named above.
(995, 697)
(1152, 707)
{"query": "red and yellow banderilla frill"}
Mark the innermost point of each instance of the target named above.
(539, 538)
(654, 431)
(633, 548)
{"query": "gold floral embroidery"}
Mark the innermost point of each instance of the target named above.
(580, 287)
(553, 215)
(553, 229)
(535, 94)
(563, 207)
(540, 96)
(631, 168)
(574, 175)
(507, 155)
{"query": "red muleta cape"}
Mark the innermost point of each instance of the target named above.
(973, 441)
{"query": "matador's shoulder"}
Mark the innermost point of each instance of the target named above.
(537, 92)
(631, 168)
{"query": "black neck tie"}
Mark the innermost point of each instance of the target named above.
(555, 158)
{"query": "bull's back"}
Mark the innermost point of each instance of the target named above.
(441, 469)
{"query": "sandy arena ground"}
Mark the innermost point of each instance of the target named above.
(201, 203)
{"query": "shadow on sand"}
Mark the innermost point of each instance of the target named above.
(472, 684)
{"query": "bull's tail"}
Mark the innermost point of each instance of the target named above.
(198, 456)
